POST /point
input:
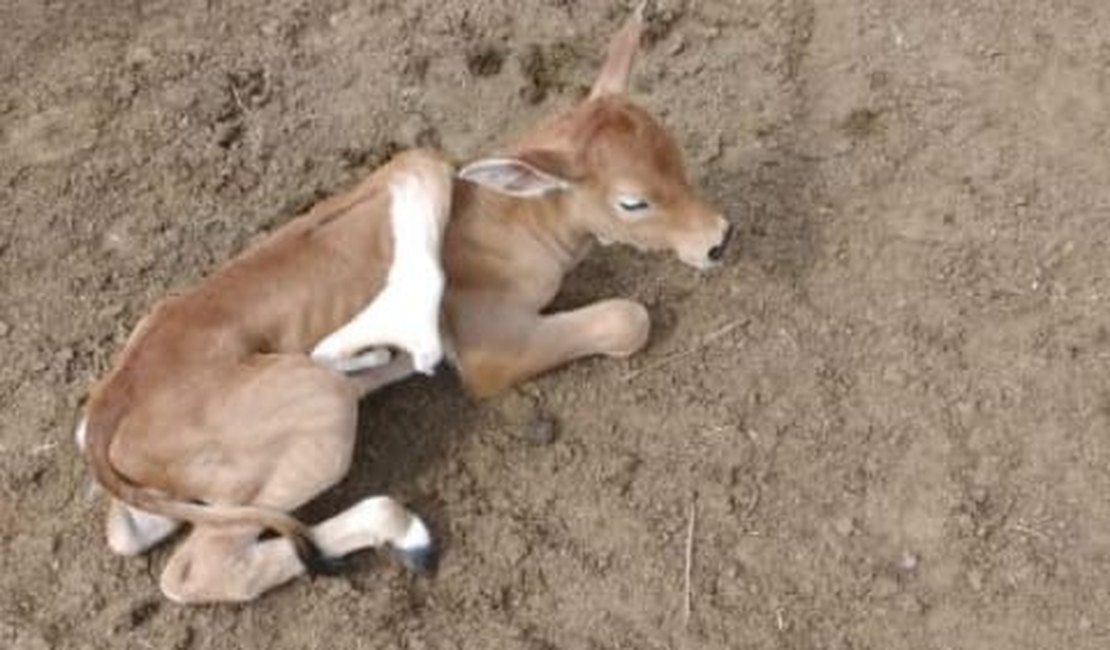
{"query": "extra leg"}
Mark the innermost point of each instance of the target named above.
(215, 565)
(499, 346)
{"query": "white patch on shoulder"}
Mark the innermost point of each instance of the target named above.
(405, 313)
(81, 432)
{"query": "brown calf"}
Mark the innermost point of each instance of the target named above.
(215, 415)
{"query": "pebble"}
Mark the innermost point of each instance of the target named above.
(975, 579)
(140, 55)
(5, 329)
(908, 562)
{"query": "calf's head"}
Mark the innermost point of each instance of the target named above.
(614, 168)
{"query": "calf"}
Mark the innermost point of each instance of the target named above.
(215, 415)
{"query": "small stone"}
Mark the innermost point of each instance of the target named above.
(975, 579)
(5, 329)
(228, 134)
(139, 55)
(541, 430)
(845, 526)
(270, 28)
(907, 562)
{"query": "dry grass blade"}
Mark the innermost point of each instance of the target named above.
(705, 341)
(687, 607)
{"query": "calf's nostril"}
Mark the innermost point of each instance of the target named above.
(718, 251)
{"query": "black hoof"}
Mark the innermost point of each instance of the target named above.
(318, 564)
(423, 560)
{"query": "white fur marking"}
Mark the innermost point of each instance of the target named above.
(375, 358)
(135, 531)
(406, 312)
(371, 522)
(417, 537)
(81, 433)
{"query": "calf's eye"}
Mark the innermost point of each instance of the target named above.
(632, 204)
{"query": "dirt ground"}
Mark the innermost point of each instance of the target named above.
(890, 412)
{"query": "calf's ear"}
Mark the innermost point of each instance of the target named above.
(524, 175)
(613, 78)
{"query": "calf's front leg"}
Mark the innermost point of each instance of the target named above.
(498, 345)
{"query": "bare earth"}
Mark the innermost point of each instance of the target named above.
(890, 412)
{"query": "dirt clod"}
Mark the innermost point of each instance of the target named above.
(142, 612)
(541, 430)
(845, 526)
(485, 61)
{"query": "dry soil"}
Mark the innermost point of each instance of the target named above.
(890, 412)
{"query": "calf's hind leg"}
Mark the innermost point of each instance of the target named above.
(285, 431)
(232, 565)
